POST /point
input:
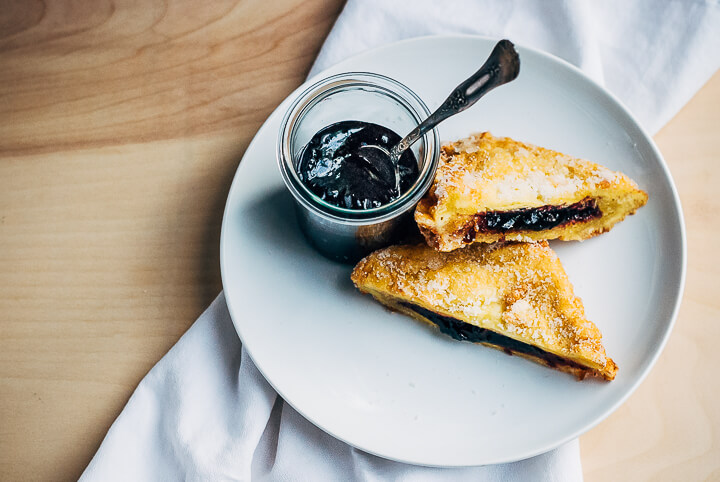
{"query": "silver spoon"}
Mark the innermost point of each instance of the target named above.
(501, 67)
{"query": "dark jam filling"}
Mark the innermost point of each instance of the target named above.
(533, 219)
(337, 167)
(462, 331)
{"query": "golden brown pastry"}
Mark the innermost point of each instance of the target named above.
(514, 297)
(489, 189)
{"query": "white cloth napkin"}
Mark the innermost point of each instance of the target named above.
(204, 412)
(652, 54)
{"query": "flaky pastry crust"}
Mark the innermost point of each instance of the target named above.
(517, 290)
(484, 176)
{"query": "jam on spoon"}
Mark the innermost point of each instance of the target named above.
(338, 169)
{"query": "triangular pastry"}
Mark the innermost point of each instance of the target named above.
(490, 189)
(512, 296)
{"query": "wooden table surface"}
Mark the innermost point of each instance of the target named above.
(121, 126)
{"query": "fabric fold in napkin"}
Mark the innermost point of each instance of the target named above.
(204, 412)
(653, 55)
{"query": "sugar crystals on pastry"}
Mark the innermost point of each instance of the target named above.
(514, 297)
(490, 189)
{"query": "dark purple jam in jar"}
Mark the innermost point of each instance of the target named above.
(339, 168)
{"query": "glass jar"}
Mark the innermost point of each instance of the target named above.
(348, 234)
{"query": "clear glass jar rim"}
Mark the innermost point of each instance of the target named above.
(326, 86)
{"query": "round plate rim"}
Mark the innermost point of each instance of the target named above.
(617, 104)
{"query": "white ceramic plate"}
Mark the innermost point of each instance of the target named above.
(392, 387)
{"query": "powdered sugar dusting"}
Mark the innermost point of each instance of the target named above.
(497, 172)
(518, 289)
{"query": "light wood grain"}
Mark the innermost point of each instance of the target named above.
(670, 427)
(121, 125)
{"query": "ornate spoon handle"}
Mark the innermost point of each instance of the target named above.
(501, 67)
